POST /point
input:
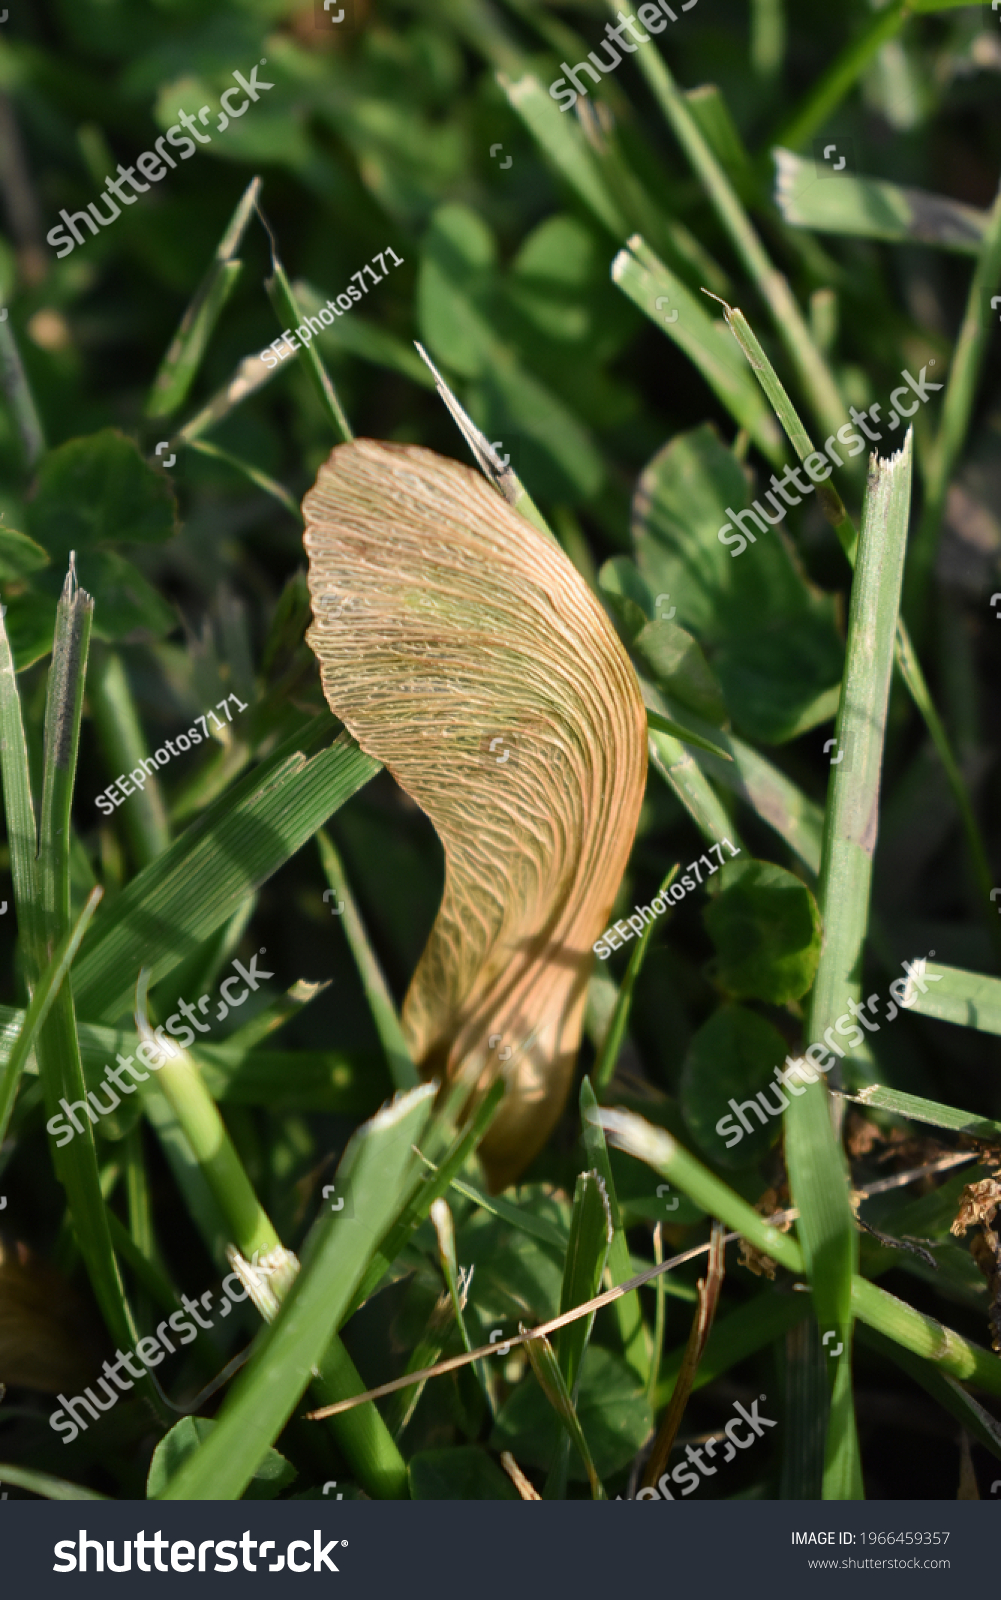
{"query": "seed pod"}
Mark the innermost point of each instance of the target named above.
(463, 650)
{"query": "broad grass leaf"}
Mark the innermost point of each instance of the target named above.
(674, 661)
(732, 1056)
(19, 555)
(273, 1474)
(450, 631)
(458, 257)
(769, 637)
(98, 490)
(462, 1472)
(766, 928)
(611, 1408)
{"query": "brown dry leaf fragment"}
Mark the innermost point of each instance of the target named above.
(861, 1135)
(755, 1260)
(748, 1255)
(978, 1203)
(463, 650)
(986, 1252)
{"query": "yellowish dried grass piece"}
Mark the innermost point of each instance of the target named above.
(464, 651)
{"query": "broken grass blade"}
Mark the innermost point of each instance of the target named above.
(184, 354)
(817, 1167)
(853, 795)
(877, 1097)
(457, 1282)
(427, 1192)
(870, 208)
(45, 991)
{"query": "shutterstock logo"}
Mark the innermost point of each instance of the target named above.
(72, 1554)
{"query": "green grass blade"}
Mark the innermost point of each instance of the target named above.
(289, 316)
(20, 400)
(816, 1163)
(773, 797)
(44, 1484)
(591, 1235)
(251, 375)
(870, 208)
(957, 412)
(628, 1310)
(184, 354)
(436, 1185)
(662, 724)
(906, 660)
(234, 847)
(116, 719)
(179, 1081)
(46, 989)
(680, 771)
(876, 1097)
(681, 316)
(496, 1206)
(923, 1336)
(562, 141)
(374, 986)
(19, 809)
(260, 479)
(841, 76)
(611, 1044)
(378, 1171)
(57, 1046)
(853, 795)
(550, 1380)
(790, 325)
(805, 1408)
(970, 999)
(659, 1150)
